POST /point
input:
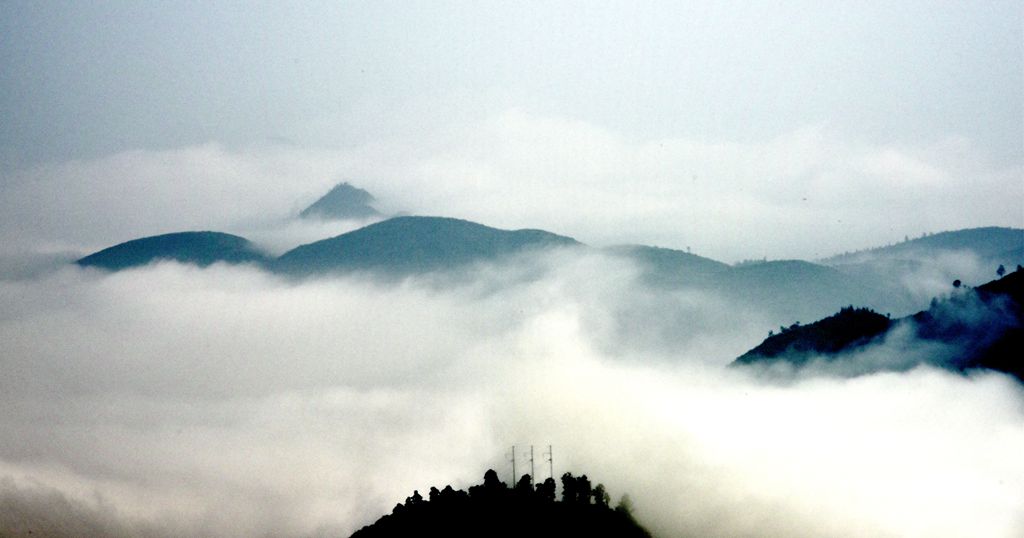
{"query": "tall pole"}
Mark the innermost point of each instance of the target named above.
(513, 465)
(551, 464)
(531, 465)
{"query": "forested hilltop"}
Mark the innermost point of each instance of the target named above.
(494, 509)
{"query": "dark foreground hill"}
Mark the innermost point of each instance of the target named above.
(342, 202)
(199, 248)
(973, 328)
(405, 245)
(494, 509)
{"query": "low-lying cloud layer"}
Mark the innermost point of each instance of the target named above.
(171, 400)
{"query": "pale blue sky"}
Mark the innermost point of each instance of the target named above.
(90, 78)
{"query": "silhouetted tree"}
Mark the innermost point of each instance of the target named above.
(491, 488)
(451, 496)
(491, 480)
(956, 283)
(601, 496)
(568, 488)
(625, 505)
(1001, 270)
(546, 490)
(583, 490)
(525, 486)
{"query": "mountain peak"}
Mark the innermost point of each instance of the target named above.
(344, 201)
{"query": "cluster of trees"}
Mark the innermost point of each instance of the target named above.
(495, 509)
(750, 261)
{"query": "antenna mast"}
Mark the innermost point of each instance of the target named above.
(551, 464)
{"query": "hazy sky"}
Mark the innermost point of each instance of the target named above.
(737, 128)
(91, 78)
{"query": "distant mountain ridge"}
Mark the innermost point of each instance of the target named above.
(401, 245)
(988, 243)
(803, 289)
(668, 267)
(783, 291)
(413, 244)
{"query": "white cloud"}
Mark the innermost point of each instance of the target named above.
(227, 402)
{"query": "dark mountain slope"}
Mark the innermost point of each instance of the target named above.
(798, 343)
(973, 328)
(405, 245)
(494, 509)
(199, 248)
(985, 325)
(342, 202)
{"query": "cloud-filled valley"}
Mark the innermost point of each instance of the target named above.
(227, 401)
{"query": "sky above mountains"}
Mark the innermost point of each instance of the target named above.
(88, 79)
(737, 129)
